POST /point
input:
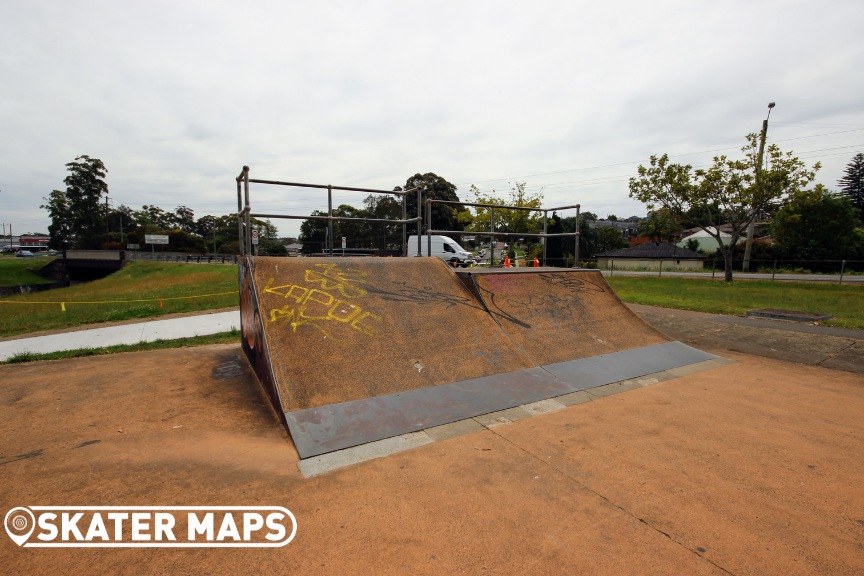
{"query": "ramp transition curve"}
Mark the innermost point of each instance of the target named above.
(352, 350)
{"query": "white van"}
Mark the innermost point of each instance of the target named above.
(443, 247)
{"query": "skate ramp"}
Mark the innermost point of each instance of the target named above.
(557, 315)
(352, 350)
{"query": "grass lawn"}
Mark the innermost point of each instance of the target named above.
(845, 302)
(22, 271)
(139, 290)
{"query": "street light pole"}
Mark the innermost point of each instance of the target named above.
(751, 226)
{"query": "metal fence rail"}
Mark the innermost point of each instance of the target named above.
(245, 214)
(492, 233)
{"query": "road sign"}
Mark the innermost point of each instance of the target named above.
(254, 236)
(156, 238)
(343, 242)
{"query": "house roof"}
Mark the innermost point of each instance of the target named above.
(653, 250)
(704, 234)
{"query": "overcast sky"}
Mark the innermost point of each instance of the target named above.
(175, 97)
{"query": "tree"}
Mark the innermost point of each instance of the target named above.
(60, 229)
(852, 184)
(154, 219)
(432, 186)
(77, 215)
(660, 226)
(515, 221)
(607, 238)
(560, 249)
(817, 225)
(184, 219)
(726, 193)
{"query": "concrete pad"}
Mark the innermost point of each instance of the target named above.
(454, 429)
(698, 367)
(850, 359)
(543, 407)
(574, 398)
(334, 460)
(502, 417)
(751, 468)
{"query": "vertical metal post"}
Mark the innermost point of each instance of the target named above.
(576, 253)
(240, 239)
(660, 269)
(248, 210)
(842, 269)
(493, 240)
(429, 226)
(774, 270)
(419, 221)
(330, 219)
(545, 231)
(404, 225)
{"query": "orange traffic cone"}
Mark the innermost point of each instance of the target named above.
(507, 262)
(536, 263)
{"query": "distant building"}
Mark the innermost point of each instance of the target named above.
(651, 256)
(706, 242)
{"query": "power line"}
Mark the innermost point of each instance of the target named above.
(671, 156)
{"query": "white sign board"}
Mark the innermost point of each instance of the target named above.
(254, 236)
(343, 242)
(156, 239)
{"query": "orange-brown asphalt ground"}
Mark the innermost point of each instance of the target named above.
(754, 467)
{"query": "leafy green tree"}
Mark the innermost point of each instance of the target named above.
(432, 186)
(607, 238)
(154, 219)
(313, 234)
(381, 207)
(184, 219)
(77, 215)
(726, 193)
(560, 250)
(515, 221)
(660, 226)
(852, 183)
(817, 225)
(60, 229)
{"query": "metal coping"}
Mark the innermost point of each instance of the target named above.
(316, 431)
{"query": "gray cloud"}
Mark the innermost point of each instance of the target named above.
(175, 97)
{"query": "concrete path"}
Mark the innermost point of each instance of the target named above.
(838, 348)
(149, 331)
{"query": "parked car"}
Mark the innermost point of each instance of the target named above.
(24, 254)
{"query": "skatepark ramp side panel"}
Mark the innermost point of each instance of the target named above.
(254, 339)
(340, 329)
(556, 315)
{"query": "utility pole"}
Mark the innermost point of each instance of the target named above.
(751, 226)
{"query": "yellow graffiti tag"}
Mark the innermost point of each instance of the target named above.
(313, 307)
(331, 278)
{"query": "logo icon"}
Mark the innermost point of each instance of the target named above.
(20, 523)
(150, 526)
